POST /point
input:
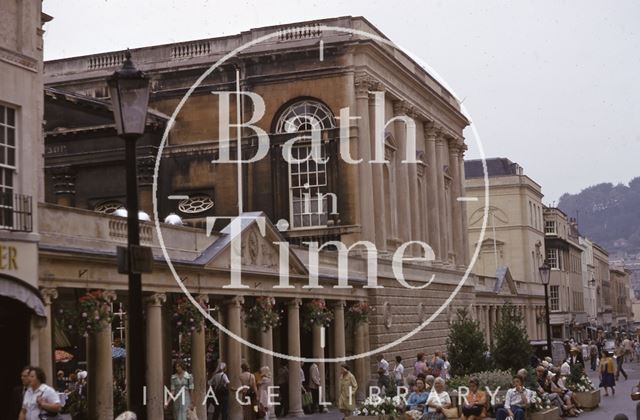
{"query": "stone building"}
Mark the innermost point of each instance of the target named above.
(603, 287)
(621, 297)
(388, 203)
(513, 246)
(589, 282)
(23, 316)
(566, 290)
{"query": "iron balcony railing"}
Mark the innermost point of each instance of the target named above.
(16, 212)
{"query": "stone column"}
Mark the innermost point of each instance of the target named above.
(244, 349)
(456, 215)
(234, 358)
(199, 363)
(318, 353)
(365, 187)
(361, 371)
(433, 194)
(413, 199)
(266, 342)
(293, 344)
(442, 205)
(402, 174)
(338, 342)
(64, 185)
(146, 166)
(100, 367)
(155, 377)
(463, 207)
(45, 347)
(379, 208)
(222, 337)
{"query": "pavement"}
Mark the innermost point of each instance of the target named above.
(621, 403)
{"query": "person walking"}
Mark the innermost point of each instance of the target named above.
(263, 392)
(398, 372)
(181, 387)
(220, 385)
(314, 386)
(40, 400)
(619, 354)
(593, 355)
(607, 373)
(249, 392)
(283, 388)
(347, 395)
(17, 396)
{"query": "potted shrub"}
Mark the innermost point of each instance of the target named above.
(586, 395)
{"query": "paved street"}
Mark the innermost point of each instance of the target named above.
(621, 403)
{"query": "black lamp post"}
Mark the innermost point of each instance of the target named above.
(545, 276)
(129, 89)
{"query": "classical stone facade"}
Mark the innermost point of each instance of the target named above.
(24, 311)
(513, 245)
(388, 203)
(566, 289)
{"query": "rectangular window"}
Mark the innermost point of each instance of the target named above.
(7, 164)
(554, 298)
(550, 227)
(308, 191)
(553, 258)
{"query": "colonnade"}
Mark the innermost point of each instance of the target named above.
(533, 316)
(421, 202)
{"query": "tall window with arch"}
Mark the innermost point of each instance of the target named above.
(310, 200)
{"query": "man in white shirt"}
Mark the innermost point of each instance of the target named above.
(516, 401)
(398, 372)
(383, 373)
(39, 398)
(314, 385)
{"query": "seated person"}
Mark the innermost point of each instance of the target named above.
(515, 402)
(438, 401)
(545, 388)
(418, 398)
(475, 403)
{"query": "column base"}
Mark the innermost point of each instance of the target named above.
(296, 414)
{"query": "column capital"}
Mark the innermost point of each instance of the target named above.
(364, 83)
(202, 299)
(156, 299)
(49, 294)
(400, 107)
(294, 303)
(339, 304)
(234, 301)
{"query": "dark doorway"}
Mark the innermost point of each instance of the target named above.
(15, 320)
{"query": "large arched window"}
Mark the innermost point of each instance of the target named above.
(310, 199)
(305, 115)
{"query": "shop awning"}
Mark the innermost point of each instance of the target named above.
(14, 288)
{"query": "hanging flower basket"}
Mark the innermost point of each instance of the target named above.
(261, 313)
(315, 312)
(359, 313)
(94, 312)
(186, 318)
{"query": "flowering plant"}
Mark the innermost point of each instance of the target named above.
(490, 378)
(359, 312)
(539, 403)
(187, 319)
(261, 313)
(375, 405)
(94, 312)
(315, 312)
(578, 381)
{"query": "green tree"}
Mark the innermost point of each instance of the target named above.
(512, 350)
(466, 347)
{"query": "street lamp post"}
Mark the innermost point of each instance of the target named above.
(545, 275)
(129, 89)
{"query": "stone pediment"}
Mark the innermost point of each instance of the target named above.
(496, 217)
(257, 250)
(504, 282)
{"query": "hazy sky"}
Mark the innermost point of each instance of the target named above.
(552, 85)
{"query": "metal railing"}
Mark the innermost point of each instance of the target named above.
(16, 212)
